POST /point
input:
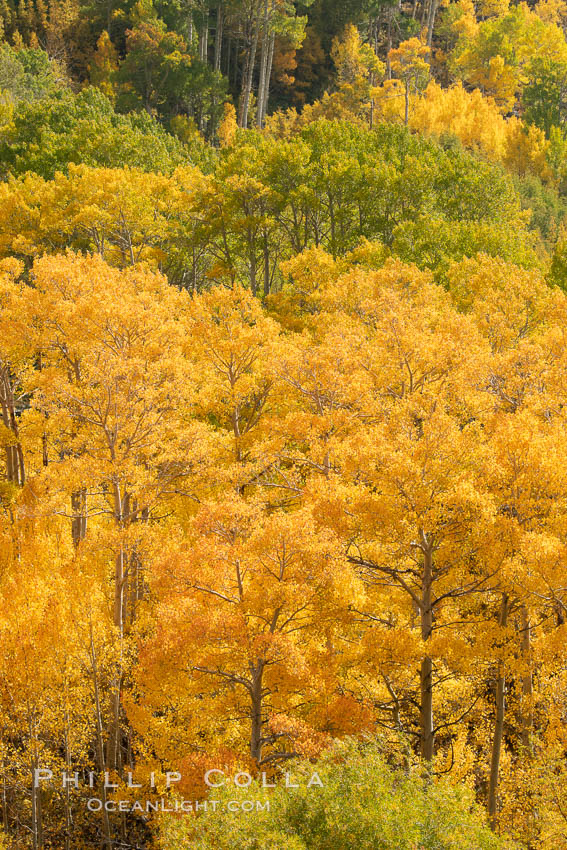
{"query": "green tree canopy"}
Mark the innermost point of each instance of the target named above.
(364, 803)
(50, 132)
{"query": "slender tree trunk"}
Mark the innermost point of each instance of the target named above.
(263, 62)
(68, 817)
(266, 253)
(249, 68)
(235, 63)
(113, 748)
(100, 742)
(252, 259)
(218, 38)
(266, 95)
(15, 472)
(35, 844)
(204, 37)
(526, 709)
(135, 586)
(113, 753)
(434, 5)
(37, 822)
(190, 25)
(4, 799)
(498, 723)
(333, 227)
(79, 511)
(389, 46)
(426, 670)
(256, 711)
(228, 58)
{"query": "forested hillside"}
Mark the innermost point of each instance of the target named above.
(283, 435)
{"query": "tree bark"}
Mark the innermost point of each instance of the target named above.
(256, 711)
(389, 46)
(253, 264)
(249, 67)
(37, 824)
(190, 25)
(526, 709)
(228, 52)
(434, 5)
(15, 472)
(100, 741)
(204, 37)
(68, 765)
(263, 62)
(266, 252)
(79, 521)
(113, 748)
(500, 698)
(5, 824)
(426, 670)
(218, 38)
(268, 76)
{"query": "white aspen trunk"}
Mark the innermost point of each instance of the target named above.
(204, 38)
(190, 25)
(431, 20)
(249, 68)
(263, 63)
(266, 95)
(218, 38)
